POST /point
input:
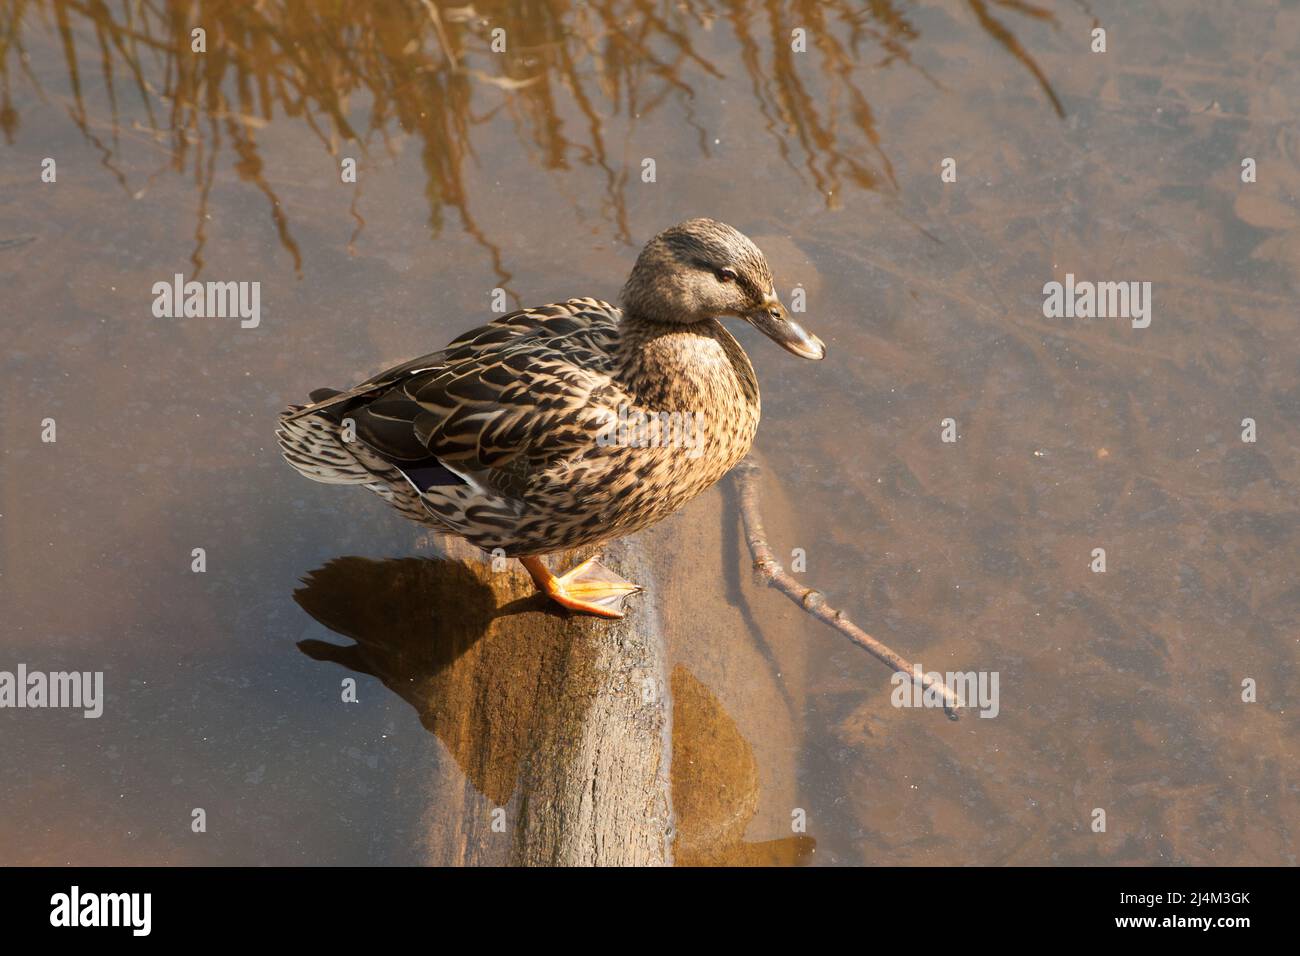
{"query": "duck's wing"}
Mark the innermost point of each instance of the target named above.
(587, 323)
(497, 403)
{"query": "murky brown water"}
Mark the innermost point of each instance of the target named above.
(522, 170)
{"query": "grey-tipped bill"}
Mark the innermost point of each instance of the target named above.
(774, 321)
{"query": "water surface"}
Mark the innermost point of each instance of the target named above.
(523, 171)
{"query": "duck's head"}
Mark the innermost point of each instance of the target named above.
(702, 269)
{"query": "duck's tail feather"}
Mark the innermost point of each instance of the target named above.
(324, 401)
(313, 445)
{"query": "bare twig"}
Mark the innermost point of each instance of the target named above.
(813, 601)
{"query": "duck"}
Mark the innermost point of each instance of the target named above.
(565, 426)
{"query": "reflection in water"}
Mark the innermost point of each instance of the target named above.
(368, 74)
(996, 29)
(419, 627)
(715, 786)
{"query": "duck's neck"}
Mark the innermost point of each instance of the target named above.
(673, 366)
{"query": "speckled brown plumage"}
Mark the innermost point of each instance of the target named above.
(498, 436)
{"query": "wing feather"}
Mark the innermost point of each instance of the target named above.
(499, 400)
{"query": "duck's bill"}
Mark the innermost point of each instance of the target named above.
(777, 325)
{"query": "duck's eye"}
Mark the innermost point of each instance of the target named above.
(726, 275)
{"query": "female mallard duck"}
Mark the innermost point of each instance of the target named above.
(566, 425)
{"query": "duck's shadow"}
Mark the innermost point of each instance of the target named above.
(414, 615)
(419, 625)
